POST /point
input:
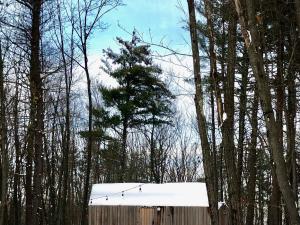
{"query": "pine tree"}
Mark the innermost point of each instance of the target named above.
(141, 97)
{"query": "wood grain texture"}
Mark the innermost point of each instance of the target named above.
(134, 215)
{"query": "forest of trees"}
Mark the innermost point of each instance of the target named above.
(57, 139)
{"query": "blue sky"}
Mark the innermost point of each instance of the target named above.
(161, 17)
(165, 21)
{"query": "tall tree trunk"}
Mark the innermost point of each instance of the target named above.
(17, 184)
(291, 131)
(35, 140)
(53, 175)
(213, 60)
(66, 136)
(253, 43)
(252, 164)
(213, 140)
(210, 172)
(242, 115)
(275, 211)
(3, 145)
(261, 210)
(215, 90)
(228, 125)
(86, 190)
(153, 165)
(50, 159)
(123, 171)
(291, 108)
(28, 177)
(37, 101)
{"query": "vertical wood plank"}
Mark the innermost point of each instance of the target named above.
(94, 218)
(133, 215)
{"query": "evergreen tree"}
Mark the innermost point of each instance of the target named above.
(141, 97)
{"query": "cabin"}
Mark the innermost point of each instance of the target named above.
(149, 204)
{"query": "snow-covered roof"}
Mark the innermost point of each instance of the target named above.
(149, 194)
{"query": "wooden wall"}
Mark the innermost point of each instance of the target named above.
(133, 215)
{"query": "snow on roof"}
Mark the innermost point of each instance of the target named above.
(140, 194)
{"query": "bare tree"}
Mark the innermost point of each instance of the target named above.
(35, 130)
(88, 16)
(210, 172)
(254, 46)
(4, 164)
(252, 168)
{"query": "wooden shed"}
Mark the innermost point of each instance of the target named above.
(149, 204)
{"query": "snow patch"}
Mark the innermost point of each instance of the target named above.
(224, 116)
(139, 194)
(249, 35)
(220, 204)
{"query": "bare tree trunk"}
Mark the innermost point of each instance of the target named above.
(253, 43)
(274, 209)
(3, 145)
(17, 185)
(51, 181)
(35, 140)
(291, 109)
(28, 177)
(157, 153)
(89, 13)
(215, 90)
(228, 126)
(260, 210)
(86, 191)
(252, 164)
(67, 132)
(154, 176)
(213, 60)
(123, 172)
(54, 193)
(242, 115)
(213, 139)
(291, 132)
(210, 172)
